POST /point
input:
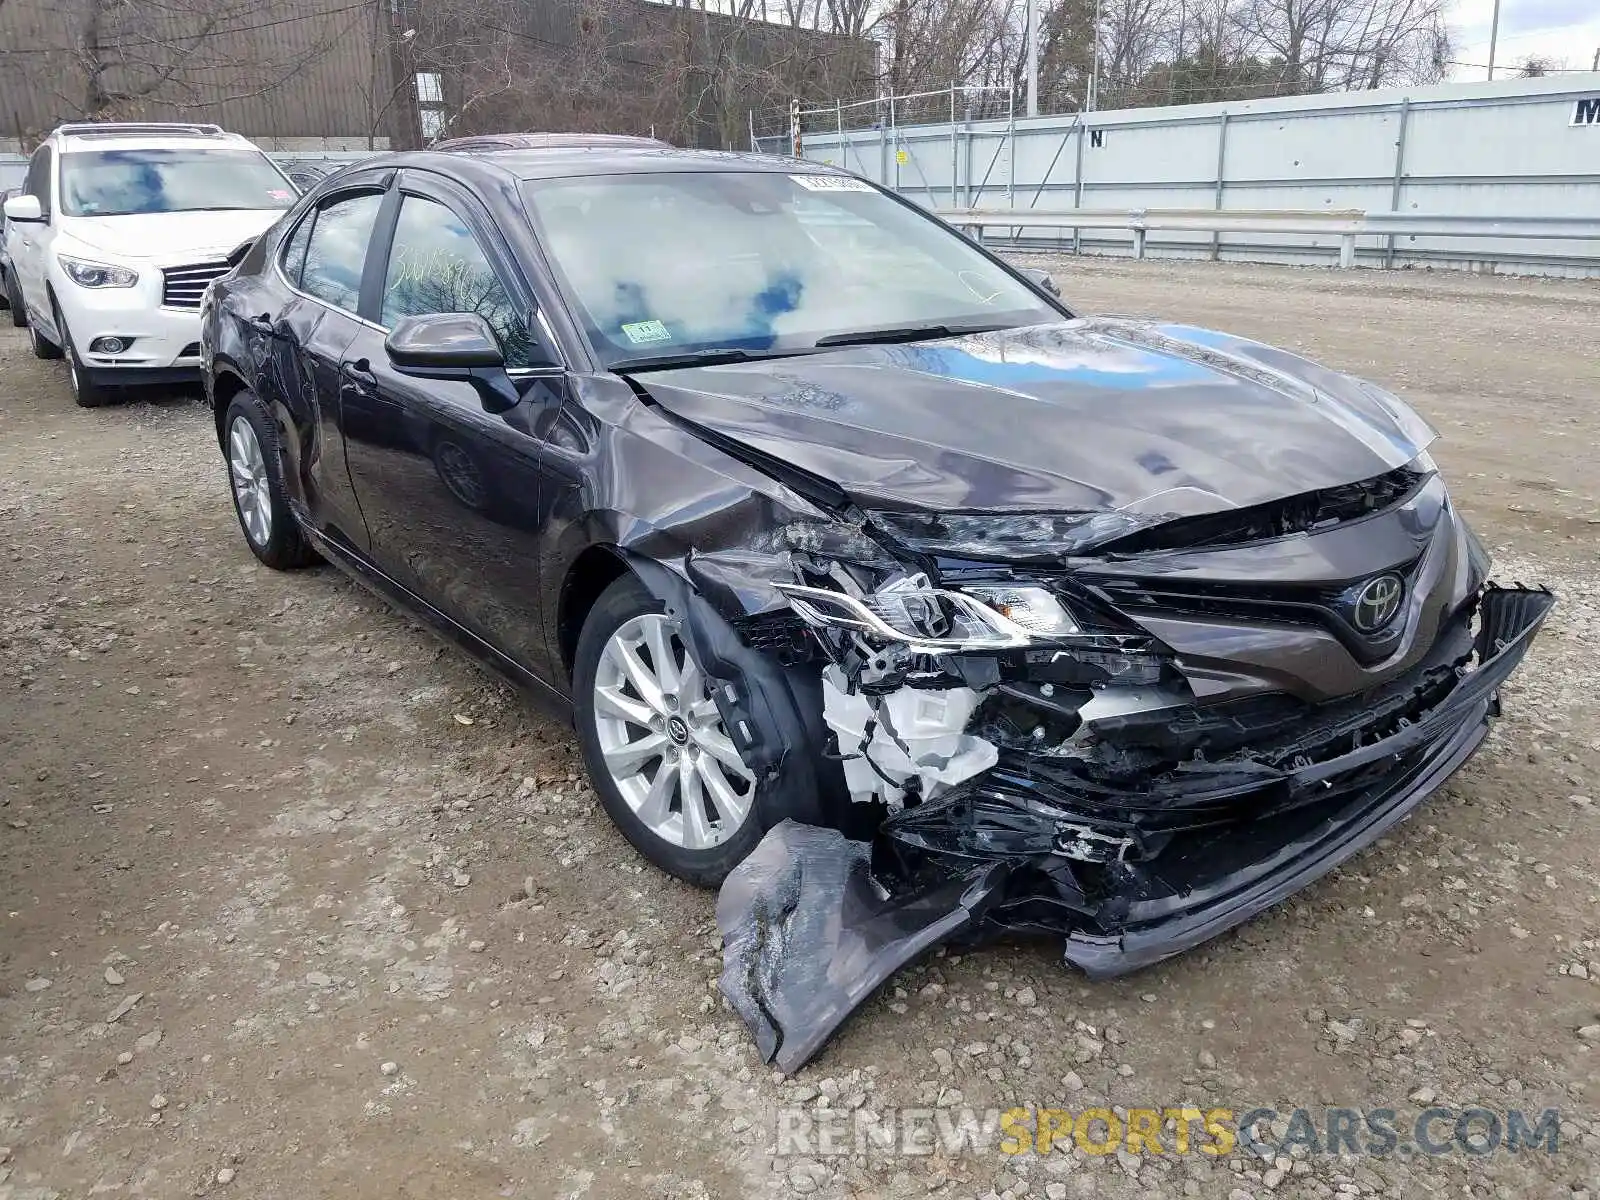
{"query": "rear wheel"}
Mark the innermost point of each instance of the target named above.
(19, 314)
(661, 761)
(255, 473)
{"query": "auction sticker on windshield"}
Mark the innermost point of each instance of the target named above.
(643, 333)
(831, 183)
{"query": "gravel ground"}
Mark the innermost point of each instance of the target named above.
(298, 902)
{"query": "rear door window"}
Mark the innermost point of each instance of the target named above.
(336, 252)
(294, 249)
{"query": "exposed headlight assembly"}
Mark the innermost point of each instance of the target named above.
(931, 620)
(1008, 536)
(97, 275)
(1034, 609)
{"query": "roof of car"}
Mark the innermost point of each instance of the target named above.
(145, 135)
(480, 142)
(558, 160)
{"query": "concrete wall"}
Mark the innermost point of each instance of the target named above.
(1516, 147)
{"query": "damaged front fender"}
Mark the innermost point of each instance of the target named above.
(773, 715)
(808, 933)
(813, 921)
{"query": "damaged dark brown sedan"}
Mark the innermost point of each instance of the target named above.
(885, 591)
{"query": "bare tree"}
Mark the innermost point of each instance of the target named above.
(688, 74)
(1537, 66)
(1330, 45)
(134, 58)
(1150, 51)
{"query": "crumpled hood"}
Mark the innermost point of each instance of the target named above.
(170, 238)
(1091, 414)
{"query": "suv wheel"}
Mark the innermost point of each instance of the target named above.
(255, 473)
(654, 744)
(19, 314)
(42, 346)
(85, 392)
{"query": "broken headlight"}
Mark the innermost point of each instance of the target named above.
(1008, 536)
(934, 620)
(1036, 609)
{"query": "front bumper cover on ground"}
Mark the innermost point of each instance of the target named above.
(811, 928)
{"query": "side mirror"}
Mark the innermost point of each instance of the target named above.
(24, 210)
(453, 346)
(1042, 278)
(442, 341)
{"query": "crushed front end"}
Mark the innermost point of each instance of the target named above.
(1133, 730)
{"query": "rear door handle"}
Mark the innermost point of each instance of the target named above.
(358, 372)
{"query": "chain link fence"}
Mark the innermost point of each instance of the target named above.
(885, 139)
(781, 130)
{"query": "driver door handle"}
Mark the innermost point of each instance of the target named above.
(359, 373)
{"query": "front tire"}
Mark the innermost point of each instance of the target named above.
(42, 346)
(654, 744)
(85, 392)
(255, 475)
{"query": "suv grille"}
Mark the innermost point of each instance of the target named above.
(182, 287)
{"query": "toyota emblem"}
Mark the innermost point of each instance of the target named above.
(1376, 602)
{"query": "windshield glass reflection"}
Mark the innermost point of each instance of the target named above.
(679, 262)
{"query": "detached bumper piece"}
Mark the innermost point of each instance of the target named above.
(813, 921)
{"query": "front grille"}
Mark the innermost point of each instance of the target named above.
(1293, 604)
(182, 287)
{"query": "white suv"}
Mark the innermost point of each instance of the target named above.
(115, 235)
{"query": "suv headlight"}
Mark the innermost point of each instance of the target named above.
(97, 275)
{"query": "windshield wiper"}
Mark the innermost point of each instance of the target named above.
(904, 333)
(700, 358)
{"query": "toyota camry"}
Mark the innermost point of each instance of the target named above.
(885, 590)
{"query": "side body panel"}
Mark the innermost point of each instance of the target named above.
(451, 490)
(451, 494)
(30, 240)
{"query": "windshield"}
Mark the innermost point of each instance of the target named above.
(119, 183)
(671, 263)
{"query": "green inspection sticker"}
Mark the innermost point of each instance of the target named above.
(642, 333)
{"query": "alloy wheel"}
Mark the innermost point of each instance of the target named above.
(663, 740)
(247, 467)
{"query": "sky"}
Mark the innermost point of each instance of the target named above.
(1564, 30)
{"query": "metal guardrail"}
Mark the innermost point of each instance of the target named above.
(1345, 224)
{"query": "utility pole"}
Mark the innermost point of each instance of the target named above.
(1094, 71)
(1494, 37)
(1033, 58)
(1177, 59)
(1596, 66)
